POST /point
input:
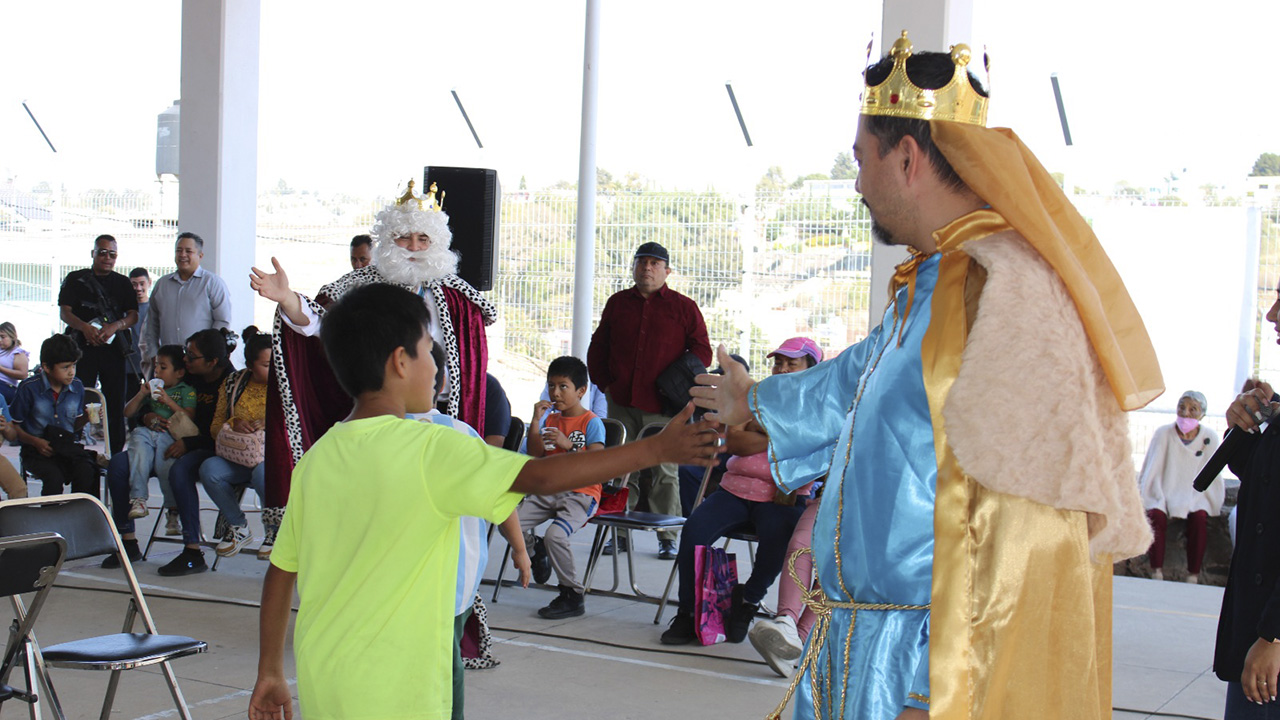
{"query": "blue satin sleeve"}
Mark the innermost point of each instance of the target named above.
(804, 413)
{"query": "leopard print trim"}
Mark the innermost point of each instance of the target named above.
(292, 422)
(271, 519)
(367, 276)
(486, 659)
(453, 359)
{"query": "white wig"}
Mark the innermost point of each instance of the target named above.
(400, 219)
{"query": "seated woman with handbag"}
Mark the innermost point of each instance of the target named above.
(239, 433)
(747, 501)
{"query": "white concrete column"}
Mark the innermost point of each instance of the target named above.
(585, 244)
(933, 25)
(218, 147)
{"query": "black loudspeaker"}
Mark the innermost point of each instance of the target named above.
(473, 200)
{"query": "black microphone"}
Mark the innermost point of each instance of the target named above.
(1230, 442)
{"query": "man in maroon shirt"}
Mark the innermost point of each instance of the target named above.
(642, 331)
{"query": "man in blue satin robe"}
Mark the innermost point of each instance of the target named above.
(949, 561)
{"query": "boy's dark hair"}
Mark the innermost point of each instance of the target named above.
(929, 71)
(176, 355)
(361, 330)
(359, 240)
(570, 367)
(139, 272)
(255, 341)
(437, 355)
(59, 349)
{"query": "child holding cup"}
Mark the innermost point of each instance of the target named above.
(158, 402)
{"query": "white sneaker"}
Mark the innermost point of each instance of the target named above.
(238, 537)
(171, 525)
(264, 552)
(778, 643)
(1157, 574)
(1194, 578)
(137, 508)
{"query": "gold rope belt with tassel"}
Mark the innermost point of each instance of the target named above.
(817, 601)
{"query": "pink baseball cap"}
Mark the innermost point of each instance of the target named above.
(799, 347)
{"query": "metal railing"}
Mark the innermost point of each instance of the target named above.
(762, 267)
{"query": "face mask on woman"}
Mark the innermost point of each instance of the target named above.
(1186, 424)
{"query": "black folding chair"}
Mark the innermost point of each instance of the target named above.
(609, 525)
(514, 435)
(28, 563)
(86, 526)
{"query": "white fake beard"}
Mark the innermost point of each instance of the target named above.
(403, 267)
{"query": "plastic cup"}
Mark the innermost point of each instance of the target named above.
(157, 387)
(94, 411)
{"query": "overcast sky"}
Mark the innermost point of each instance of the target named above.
(355, 97)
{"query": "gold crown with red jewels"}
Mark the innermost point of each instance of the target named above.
(897, 96)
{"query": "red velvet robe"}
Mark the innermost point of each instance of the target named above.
(304, 399)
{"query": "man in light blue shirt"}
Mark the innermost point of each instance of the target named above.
(187, 301)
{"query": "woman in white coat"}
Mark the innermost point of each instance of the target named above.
(1176, 454)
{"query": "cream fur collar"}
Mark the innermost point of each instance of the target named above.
(1031, 413)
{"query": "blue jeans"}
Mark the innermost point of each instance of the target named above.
(1240, 707)
(222, 477)
(146, 457)
(722, 513)
(182, 482)
(118, 488)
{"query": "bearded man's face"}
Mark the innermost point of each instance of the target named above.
(413, 259)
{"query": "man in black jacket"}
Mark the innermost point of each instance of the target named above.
(1247, 656)
(100, 307)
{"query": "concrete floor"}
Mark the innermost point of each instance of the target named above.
(608, 661)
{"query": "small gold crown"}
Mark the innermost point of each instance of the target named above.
(897, 96)
(429, 198)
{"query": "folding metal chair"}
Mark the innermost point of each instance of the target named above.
(86, 526)
(28, 563)
(220, 527)
(609, 525)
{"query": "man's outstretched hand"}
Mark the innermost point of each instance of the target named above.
(724, 396)
(275, 287)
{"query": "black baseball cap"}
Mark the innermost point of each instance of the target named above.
(653, 250)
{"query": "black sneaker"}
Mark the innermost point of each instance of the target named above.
(681, 631)
(740, 617)
(667, 549)
(567, 604)
(622, 546)
(112, 561)
(189, 562)
(540, 561)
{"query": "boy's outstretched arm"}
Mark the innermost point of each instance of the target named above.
(271, 697)
(679, 442)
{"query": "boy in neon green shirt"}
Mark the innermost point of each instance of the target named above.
(371, 531)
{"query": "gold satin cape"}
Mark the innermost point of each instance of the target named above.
(1021, 614)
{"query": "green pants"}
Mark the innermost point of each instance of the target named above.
(459, 623)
